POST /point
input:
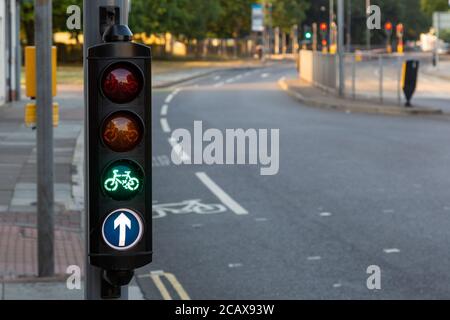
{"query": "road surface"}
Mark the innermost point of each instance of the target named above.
(352, 191)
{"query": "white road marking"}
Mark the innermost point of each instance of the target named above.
(165, 125)
(169, 98)
(265, 75)
(392, 250)
(314, 258)
(229, 80)
(238, 77)
(217, 78)
(325, 214)
(179, 150)
(196, 226)
(235, 265)
(261, 219)
(177, 91)
(220, 194)
(388, 211)
(337, 285)
(164, 109)
(217, 85)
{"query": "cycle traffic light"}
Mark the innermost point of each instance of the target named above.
(119, 156)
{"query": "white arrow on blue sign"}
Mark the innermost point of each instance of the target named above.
(122, 229)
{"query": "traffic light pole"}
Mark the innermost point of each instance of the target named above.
(341, 47)
(93, 36)
(45, 187)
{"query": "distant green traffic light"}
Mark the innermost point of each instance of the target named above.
(308, 35)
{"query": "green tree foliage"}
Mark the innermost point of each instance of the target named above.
(430, 6)
(286, 13)
(59, 17)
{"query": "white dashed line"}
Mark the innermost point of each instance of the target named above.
(220, 194)
(170, 98)
(165, 125)
(337, 285)
(265, 75)
(261, 219)
(314, 258)
(234, 265)
(238, 77)
(217, 85)
(164, 110)
(393, 250)
(229, 80)
(217, 78)
(325, 214)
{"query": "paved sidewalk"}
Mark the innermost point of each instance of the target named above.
(442, 71)
(315, 97)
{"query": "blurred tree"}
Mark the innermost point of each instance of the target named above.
(430, 6)
(286, 13)
(59, 18)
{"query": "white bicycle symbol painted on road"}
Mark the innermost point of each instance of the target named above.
(185, 207)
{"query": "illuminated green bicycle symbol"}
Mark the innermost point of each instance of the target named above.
(125, 180)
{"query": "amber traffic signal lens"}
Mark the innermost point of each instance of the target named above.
(122, 83)
(122, 131)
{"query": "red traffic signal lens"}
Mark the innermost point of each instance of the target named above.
(323, 27)
(388, 26)
(324, 42)
(122, 82)
(122, 131)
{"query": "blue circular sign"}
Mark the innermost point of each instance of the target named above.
(122, 229)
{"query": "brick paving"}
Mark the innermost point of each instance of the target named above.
(18, 218)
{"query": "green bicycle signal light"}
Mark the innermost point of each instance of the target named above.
(123, 180)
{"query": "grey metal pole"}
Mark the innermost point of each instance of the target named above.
(93, 37)
(368, 39)
(349, 25)
(18, 53)
(45, 173)
(380, 65)
(354, 76)
(438, 32)
(341, 47)
(399, 77)
(330, 24)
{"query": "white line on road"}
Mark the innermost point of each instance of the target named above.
(393, 250)
(235, 265)
(217, 78)
(325, 214)
(314, 258)
(164, 109)
(265, 75)
(165, 125)
(222, 195)
(229, 80)
(169, 98)
(217, 85)
(238, 77)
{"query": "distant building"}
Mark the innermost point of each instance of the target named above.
(9, 51)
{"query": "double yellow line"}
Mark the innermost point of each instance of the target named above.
(157, 276)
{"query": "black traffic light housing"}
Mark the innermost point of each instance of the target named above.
(119, 156)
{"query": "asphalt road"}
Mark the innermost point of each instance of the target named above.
(352, 191)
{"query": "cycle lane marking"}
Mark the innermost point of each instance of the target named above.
(164, 110)
(165, 125)
(221, 194)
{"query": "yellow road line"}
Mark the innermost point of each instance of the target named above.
(177, 286)
(156, 277)
(161, 287)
